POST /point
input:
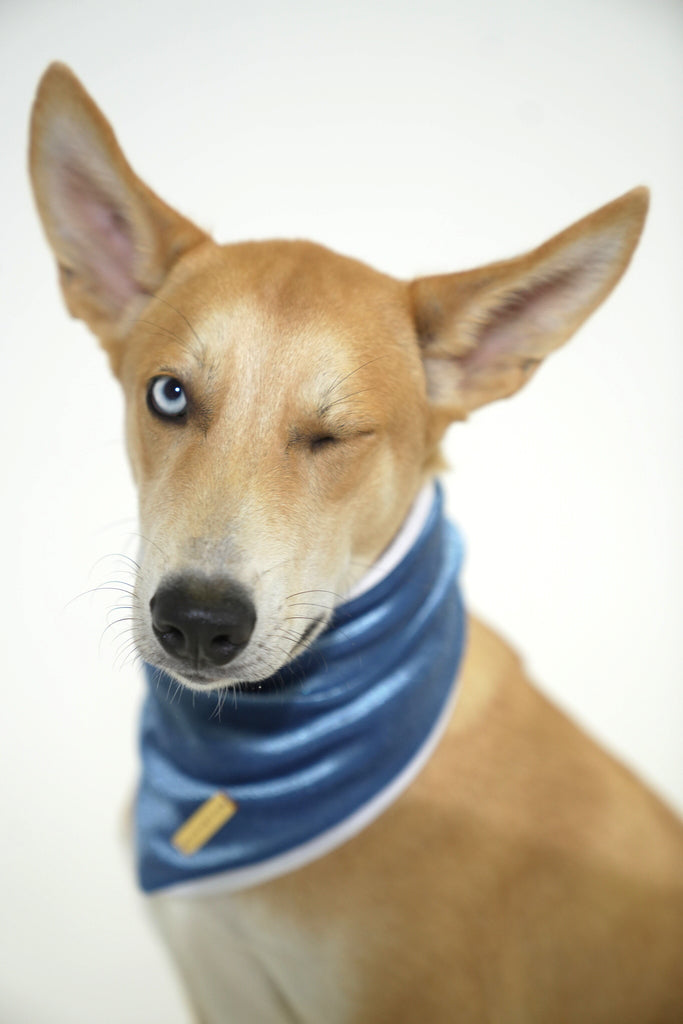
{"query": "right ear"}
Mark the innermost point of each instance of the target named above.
(484, 332)
(114, 240)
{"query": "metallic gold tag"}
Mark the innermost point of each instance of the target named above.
(203, 825)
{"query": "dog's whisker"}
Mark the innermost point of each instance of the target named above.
(126, 651)
(97, 590)
(324, 406)
(278, 565)
(117, 524)
(116, 555)
(148, 540)
(120, 608)
(119, 565)
(165, 302)
(312, 604)
(124, 643)
(306, 618)
(345, 398)
(161, 331)
(132, 660)
(117, 582)
(301, 593)
(136, 567)
(116, 622)
(123, 640)
(177, 690)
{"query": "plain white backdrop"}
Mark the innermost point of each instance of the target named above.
(418, 137)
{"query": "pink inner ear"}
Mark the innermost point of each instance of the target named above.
(100, 237)
(520, 327)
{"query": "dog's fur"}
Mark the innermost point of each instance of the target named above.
(525, 876)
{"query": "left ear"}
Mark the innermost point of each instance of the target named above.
(484, 332)
(114, 240)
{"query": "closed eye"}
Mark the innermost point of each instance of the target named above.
(316, 444)
(323, 440)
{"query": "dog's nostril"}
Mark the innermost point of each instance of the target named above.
(172, 638)
(222, 646)
(202, 620)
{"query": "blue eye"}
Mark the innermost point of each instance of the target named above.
(166, 397)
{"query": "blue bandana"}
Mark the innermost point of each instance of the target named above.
(276, 778)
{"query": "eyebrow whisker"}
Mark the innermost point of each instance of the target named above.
(182, 317)
(344, 398)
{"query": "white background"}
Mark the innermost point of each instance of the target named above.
(421, 138)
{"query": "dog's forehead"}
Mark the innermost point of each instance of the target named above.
(288, 312)
(296, 289)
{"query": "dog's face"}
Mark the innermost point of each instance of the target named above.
(284, 404)
(277, 421)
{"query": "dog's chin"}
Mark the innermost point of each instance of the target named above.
(218, 680)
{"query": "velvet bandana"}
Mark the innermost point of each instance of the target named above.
(236, 792)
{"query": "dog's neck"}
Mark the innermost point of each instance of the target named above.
(399, 547)
(278, 778)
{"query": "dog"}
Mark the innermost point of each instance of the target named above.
(354, 805)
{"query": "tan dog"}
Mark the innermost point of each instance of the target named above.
(524, 875)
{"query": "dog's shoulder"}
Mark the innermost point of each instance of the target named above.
(535, 768)
(523, 829)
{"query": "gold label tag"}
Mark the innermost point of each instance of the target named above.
(201, 826)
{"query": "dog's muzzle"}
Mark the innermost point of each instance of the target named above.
(202, 621)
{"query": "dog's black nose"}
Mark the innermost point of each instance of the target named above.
(202, 620)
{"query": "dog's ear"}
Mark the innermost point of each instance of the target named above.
(113, 238)
(484, 332)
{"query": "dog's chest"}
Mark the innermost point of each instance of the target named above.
(236, 951)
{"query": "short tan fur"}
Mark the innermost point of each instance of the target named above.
(525, 876)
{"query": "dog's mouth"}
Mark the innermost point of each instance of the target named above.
(314, 628)
(262, 665)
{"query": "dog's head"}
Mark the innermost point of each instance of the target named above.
(284, 403)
